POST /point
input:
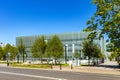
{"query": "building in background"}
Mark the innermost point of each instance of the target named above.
(72, 43)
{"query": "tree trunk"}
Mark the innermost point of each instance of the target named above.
(93, 62)
(89, 60)
(48, 60)
(41, 59)
(23, 58)
(55, 61)
(97, 61)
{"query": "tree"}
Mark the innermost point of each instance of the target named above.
(39, 47)
(76, 55)
(48, 52)
(97, 53)
(1, 53)
(110, 47)
(21, 49)
(7, 49)
(87, 49)
(14, 52)
(91, 50)
(12, 49)
(107, 19)
(55, 47)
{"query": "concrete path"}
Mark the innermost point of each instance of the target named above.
(100, 70)
(3, 65)
(111, 65)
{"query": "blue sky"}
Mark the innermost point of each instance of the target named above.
(34, 17)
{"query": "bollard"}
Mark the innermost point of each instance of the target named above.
(51, 66)
(60, 67)
(71, 66)
(8, 64)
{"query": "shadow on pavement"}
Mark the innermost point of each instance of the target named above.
(110, 66)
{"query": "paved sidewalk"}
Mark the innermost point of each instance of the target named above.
(114, 63)
(105, 68)
(3, 65)
(100, 70)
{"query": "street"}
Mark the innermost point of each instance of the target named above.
(7, 73)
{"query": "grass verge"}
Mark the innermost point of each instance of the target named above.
(32, 65)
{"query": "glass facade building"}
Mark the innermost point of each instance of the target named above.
(72, 42)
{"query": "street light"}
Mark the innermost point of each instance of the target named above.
(80, 56)
(18, 57)
(65, 54)
(8, 58)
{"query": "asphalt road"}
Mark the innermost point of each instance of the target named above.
(7, 73)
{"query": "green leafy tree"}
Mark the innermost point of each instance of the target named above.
(87, 49)
(91, 50)
(55, 47)
(48, 53)
(39, 47)
(12, 50)
(7, 49)
(107, 19)
(110, 47)
(76, 55)
(21, 49)
(1, 53)
(113, 55)
(97, 53)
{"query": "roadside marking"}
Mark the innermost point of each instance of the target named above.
(28, 75)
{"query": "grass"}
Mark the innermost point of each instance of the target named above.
(65, 64)
(3, 62)
(15, 64)
(61, 64)
(32, 65)
(10, 62)
(36, 65)
(84, 65)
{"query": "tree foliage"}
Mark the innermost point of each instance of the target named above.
(39, 47)
(10, 49)
(55, 47)
(14, 52)
(2, 55)
(110, 47)
(49, 49)
(76, 55)
(91, 50)
(88, 49)
(107, 19)
(7, 48)
(21, 49)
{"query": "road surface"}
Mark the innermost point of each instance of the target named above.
(7, 73)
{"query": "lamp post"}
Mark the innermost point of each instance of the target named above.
(8, 58)
(80, 56)
(65, 54)
(18, 57)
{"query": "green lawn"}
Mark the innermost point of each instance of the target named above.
(31, 65)
(15, 64)
(36, 65)
(11, 62)
(3, 62)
